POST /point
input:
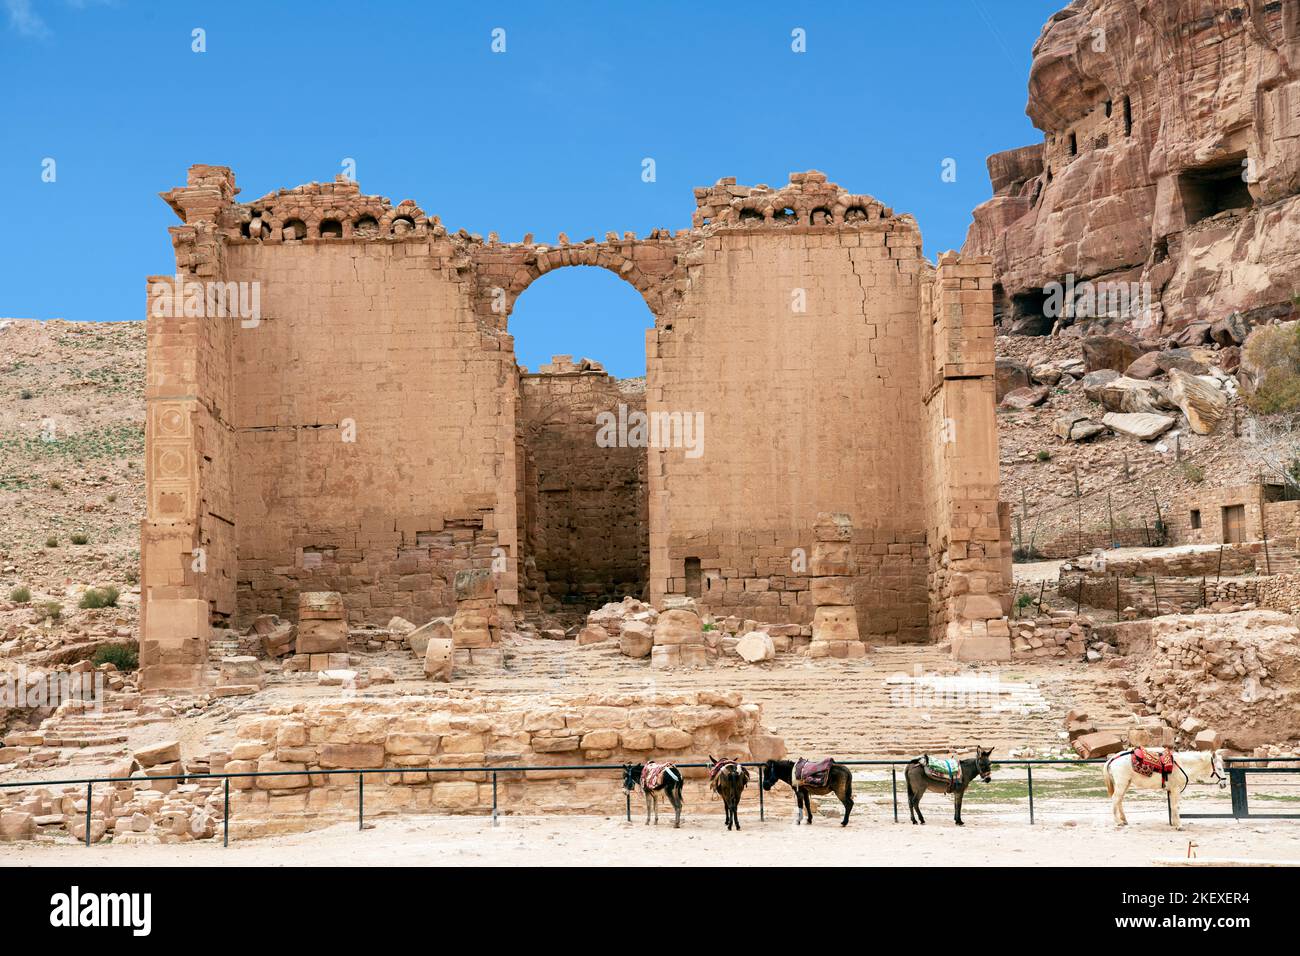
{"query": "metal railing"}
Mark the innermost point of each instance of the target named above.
(1237, 775)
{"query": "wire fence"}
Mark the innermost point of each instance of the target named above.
(1237, 767)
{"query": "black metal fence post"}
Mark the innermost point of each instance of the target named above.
(893, 776)
(225, 817)
(88, 798)
(361, 801)
(627, 797)
(762, 815)
(494, 798)
(1237, 783)
(1029, 773)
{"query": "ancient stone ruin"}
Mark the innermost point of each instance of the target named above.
(369, 432)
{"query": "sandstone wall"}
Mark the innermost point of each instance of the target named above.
(796, 406)
(460, 730)
(364, 435)
(371, 429)
(1171, 156)
(586, 518)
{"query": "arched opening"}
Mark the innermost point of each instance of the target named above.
(294, 230)
(331, 229)
(582, 464)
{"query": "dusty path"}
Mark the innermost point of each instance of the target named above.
(1070, 840)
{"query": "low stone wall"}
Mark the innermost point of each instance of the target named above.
(1061, 635)
(1281, 592)
(461, 729)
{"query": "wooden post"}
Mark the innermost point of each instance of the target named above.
(1024, 504)
(1219, 573)
(1268, 564)
(1110, 514)
(1202, 604)
(1156, 591)
(1041, 588)
(1117, 602)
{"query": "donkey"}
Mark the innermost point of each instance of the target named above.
(838, 779)
(1190, 766)
(918, 782)
(728, 778)
(653, 778)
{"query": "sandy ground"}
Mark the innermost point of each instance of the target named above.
(1074, 833)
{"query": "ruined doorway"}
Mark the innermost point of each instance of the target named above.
(1234, 524)
(584, 505)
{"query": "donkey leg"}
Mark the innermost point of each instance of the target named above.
(919, 794)
(647, 808)
(847, 800)
(676, 797)
(735, 811)
(956, 811)
(1175, 820)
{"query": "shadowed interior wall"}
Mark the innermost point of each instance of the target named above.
(587, 522)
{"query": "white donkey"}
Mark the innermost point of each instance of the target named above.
(1190, 766)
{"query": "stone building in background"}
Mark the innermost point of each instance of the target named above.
(358, 423)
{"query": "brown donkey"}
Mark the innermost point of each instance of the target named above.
(728, 778)
(806, 777)
(655, 778)
(945, 776)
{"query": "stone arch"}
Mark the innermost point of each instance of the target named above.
(503, 272)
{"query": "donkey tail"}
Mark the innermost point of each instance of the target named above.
(1110, 782)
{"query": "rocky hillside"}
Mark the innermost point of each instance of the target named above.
(1170, 157)
(71, 455)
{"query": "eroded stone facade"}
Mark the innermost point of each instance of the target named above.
(363, 433)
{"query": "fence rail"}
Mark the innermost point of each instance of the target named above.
(1237, 779)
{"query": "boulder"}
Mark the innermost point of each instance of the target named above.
(1196, 333)
(756, 646)
(400, 625)
(1094, 381)
(1133, 395)
(1143, 426)
(1076, 427)
(1208, 740)
(280, 641)
(168, 752)
(418, 639)
(322, 636)
(438, 657)
(1201, 401)
(1046, 374)
(1009, 375)
(592, 634)
(1022, 398)
(636, 639)
(1109, 351)
(679, 626)
(16, 825)
(1099, 744)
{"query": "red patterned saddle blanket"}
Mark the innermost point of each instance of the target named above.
(1147, 763)
(652, 774)
(810, 773)
(723, 764)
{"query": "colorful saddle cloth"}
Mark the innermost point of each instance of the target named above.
(1147, 763)
(722, 765)
(652, 774)
(942, 770)
(810, 773)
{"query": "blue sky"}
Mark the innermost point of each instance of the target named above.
(548, 136)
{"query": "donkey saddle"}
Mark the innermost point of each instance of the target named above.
(942, 770)
(809, 773)
(1147, 763)
(652, 774)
